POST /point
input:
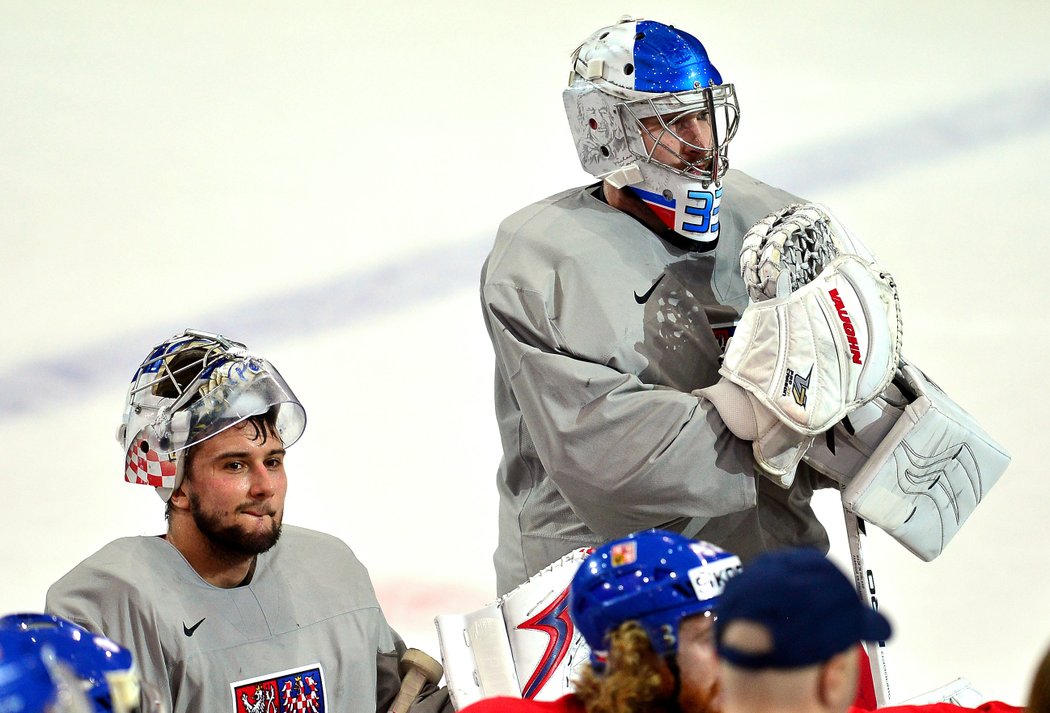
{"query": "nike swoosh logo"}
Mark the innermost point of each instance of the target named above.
(642, 299)
(188, 630)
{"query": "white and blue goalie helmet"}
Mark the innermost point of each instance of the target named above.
(637, 90)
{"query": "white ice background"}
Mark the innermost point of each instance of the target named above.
(322, 180)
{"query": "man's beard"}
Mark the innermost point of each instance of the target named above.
(692, 700)
(231, 538)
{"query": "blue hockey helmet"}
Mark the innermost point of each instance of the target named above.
(28, 685)
(654, 577)
(55, 659)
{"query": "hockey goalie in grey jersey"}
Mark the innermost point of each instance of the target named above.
(610, 308)
(231, 610)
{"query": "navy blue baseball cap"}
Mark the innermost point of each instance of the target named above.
(806, 604)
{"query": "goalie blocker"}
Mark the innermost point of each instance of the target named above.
(912, 462)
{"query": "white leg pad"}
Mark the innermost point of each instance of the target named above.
(523, 645)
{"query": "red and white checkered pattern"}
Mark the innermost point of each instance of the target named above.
(145, 466)
(300, 701)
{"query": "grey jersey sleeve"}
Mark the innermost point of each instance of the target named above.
(625, 454)
(431, 699)
(79, 597)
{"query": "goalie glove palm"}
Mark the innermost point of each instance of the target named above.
(815, 355)
(821, 337)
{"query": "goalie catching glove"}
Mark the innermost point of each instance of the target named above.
(788, 248)
(823, 340)
(910, 461)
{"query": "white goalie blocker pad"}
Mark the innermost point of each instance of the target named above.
(816, 354)
(523, 645)
(912, 462)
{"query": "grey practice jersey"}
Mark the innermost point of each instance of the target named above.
(601, 331)
(305, 633)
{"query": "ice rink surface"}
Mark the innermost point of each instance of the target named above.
(322, 180)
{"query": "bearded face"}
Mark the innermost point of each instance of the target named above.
(235, 489)
(698, 665)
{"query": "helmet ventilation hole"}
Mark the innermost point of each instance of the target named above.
(605, 151)
(603, 35)
(593, 123)
(628, 69)
(668, 194)
(639, 36)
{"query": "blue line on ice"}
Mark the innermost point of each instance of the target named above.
(42, 382)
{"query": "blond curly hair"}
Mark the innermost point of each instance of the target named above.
(633, 680)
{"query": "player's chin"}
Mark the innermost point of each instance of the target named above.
(700, 699)
(260, 539)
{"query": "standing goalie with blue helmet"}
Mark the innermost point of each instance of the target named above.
(609, 305)
(621, 399)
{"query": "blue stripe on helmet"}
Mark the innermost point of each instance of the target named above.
(670, 60)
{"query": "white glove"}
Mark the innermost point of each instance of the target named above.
(789, 247)
(826, 348)
(823, 338)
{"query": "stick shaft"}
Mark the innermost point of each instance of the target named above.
(864, 579)
(411, 685)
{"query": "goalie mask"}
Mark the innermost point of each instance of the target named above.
(51, 665)
(187, 390)
(656, 578)
(649, 111)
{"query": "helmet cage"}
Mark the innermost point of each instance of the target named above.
(714, 106)
(216, 348)
(608, 133)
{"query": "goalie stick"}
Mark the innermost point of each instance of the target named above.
(864, 579)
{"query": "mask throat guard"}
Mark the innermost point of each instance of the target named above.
(608, 134)
(686, 206)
